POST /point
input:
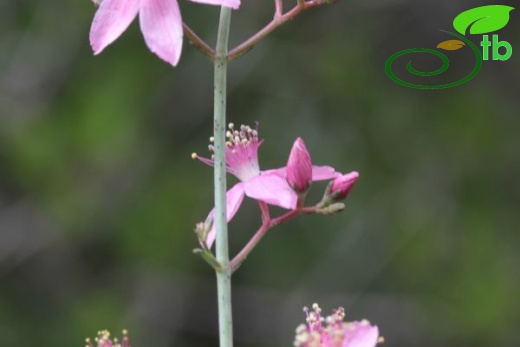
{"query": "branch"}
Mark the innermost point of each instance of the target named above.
(197, 42)
(275, 23)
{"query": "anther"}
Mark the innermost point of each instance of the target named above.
(194, 155)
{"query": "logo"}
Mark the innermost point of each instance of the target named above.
(480, 21)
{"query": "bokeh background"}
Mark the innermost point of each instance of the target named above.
(99, 196)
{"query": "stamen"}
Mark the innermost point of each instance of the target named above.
(241, 151)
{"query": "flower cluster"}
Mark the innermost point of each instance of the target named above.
(103, 340)
(282, 187)
(332, 331)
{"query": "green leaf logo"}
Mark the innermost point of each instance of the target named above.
(482, 20)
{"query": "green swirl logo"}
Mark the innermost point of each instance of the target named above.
(479, 20)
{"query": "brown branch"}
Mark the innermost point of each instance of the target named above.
(197, 42)
(275, 23)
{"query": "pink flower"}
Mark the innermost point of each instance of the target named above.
(103, 340)
(160, 20)
(342, 185)
(332, 331)
(299, 167)
(269, 186)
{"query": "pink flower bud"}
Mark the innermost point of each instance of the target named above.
(343, 184)
(299, 167)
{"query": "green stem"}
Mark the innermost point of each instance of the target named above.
(219, 132)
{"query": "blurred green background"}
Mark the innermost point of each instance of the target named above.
(99, 196)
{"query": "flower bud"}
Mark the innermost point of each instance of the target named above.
(299, 167)
(342, 185)
(332, 208)
(202, 230)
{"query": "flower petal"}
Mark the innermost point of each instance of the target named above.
(362, 334)
(282, 172)
(234, 198)
(110, 21)
(161, 24)
(321, 173)
(271, 189)
(234, 4)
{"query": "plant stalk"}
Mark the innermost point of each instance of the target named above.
(219, 133)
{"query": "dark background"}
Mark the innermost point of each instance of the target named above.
(99, 196)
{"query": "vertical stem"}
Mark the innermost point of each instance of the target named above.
(219, 131)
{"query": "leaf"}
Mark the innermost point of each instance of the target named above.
(483, 19)
(451, 45)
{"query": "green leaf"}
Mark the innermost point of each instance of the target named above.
(483, 19)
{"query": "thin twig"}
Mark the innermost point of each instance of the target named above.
(267, 224)
(278, 8)
(197, 42)
(275, 23)
(265, 211)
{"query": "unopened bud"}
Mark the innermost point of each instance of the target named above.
(342, 185)
(299, 167)
(332, 208)
(202, 230)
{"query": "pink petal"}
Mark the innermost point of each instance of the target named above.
(362, 334)
(282, 172)
(161, 24)
(111, 20)
(234, 4)
(234, 198)
(271, 189)
(321, 173)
